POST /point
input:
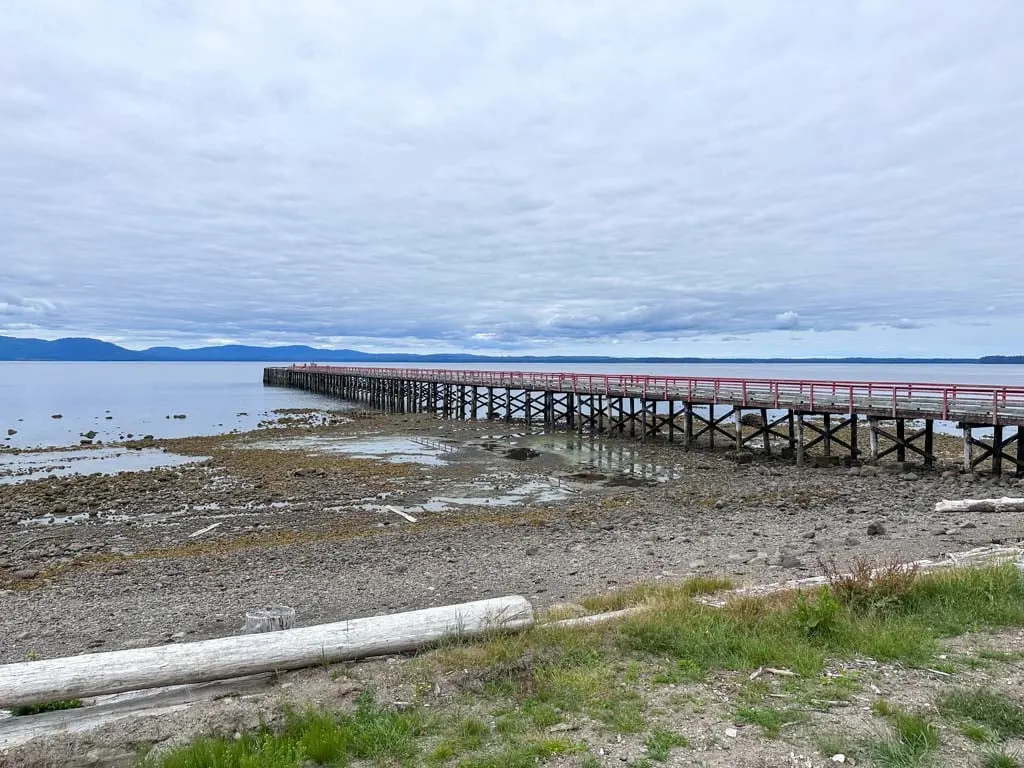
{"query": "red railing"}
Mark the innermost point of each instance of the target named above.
(993, 404)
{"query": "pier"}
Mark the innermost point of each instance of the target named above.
(774, 416)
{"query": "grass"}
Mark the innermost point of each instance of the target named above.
(371, 732)
(988, 712)
(50, 706)
(639, 594)
(660, 743)
(1000, 759)
(511, 689)
(912, 742)
(771, 720)
(830, 744)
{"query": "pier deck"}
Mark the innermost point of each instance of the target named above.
(683, 406)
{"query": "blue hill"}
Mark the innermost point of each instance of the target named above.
(85, 349)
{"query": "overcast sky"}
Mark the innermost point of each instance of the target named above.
(642, 177)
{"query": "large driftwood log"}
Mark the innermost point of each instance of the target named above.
(36, 682)
(1005, 504)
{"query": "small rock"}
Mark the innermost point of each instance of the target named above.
(791, 561)
(868, 471)
(530, 551)
(838, 758)
(809, 535)
(760, 559)
(968, 525)
(949, 474)
(11, 432)
(851, 541)
(732, 733)
(695, 564)
(57, 416)
(876, 529)
(909, 477)
(26, 574)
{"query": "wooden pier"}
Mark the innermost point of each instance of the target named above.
(789, 417)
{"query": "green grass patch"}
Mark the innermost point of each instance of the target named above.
(771, 720)
(371, 732)
(1001, 759)
(50, 706)
(979, 734)
(911, 744)
(467, 735)
(660, 743)
(990, 654)
(994, 712)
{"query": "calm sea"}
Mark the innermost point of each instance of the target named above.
(220, 397)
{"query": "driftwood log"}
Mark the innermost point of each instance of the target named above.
(96, 674)
(1005, 504)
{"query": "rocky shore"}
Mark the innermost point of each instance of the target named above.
(305, 514)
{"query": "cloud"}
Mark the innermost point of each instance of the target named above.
(453, 175)
(789, 320)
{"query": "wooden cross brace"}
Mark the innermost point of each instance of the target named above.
(712, 425)
(829, 432)
(905, 442)
(995, 450)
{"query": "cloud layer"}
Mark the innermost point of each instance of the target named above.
(662, 177)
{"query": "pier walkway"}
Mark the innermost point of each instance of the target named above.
(784, 415)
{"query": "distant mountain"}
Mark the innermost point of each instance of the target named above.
(63, 349)
(1002, 359)
(100, 351)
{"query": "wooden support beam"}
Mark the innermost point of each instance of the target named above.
(687, 425)
(968, 448)
(997, 452)
(799, 439)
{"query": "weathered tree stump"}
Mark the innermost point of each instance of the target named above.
(270, 618)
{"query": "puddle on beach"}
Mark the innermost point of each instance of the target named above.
(599, 460)
(418, 450)
(32, 465)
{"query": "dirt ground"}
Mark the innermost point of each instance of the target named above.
(304, 514)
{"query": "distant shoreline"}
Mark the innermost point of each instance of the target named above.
(95, 351)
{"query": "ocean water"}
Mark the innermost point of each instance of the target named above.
(138, 398)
